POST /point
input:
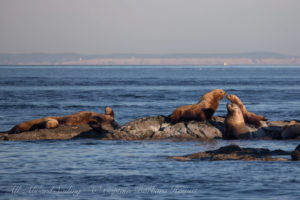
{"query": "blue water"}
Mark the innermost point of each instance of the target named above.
(95, 169)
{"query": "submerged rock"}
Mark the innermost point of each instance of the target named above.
(235, 152)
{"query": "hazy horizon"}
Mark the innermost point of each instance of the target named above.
(150, 26)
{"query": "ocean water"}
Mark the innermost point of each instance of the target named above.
(95, 169)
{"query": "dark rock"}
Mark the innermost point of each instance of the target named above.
(274, 129)
(139, 129)
(235, 152)
(271, 130)
(297, 148)
(296, 153)
(291, 132)
(158, 128)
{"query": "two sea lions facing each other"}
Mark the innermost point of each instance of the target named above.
(208, 104)
(201, 111)
(79, 118)
(237, 117)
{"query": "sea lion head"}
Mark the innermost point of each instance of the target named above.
(218, 93)
(104, 122)
(109, 111)
(233, 108)
(233, 98)
(214, 95)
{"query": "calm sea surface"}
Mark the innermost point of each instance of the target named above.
(93, 169)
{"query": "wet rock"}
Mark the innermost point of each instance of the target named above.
(296, 153)
(269, 130)
(158, 128)
(235, 152)
(274, 129)
(291, 131)
(139, 129)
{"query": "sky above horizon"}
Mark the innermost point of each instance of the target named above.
(150, 26)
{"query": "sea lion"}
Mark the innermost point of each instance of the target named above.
(235, 123)
(79, 118)
(201, 111)
(47, 122)
(109, 112)
(249, 117)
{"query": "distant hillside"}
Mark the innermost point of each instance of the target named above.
(261, 58)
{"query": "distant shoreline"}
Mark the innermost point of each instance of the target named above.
(62, 59)
(128, 65)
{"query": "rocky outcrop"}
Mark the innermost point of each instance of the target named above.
(271, 130)
(154, 128)
(63, 132)
(159, 128)
(234, 152)
(291, 131)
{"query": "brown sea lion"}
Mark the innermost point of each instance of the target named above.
(235, 123)
(79, 118)
(201, 111)
(249, 117)
(47, 122)
(109, 112)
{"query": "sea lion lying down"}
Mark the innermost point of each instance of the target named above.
(79, 118)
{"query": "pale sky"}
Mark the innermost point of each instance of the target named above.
(150, 26)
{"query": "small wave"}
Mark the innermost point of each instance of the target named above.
(131, 96)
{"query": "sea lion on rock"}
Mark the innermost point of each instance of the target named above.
(47, 122)
(109, 112)
(235, 123)
(201, 111)
(79, 118)
(249, 117)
